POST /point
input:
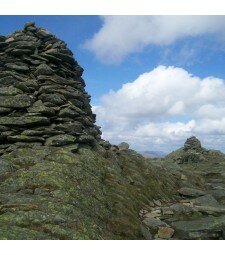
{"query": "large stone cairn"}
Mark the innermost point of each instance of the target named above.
(42, 95)
(192, 143)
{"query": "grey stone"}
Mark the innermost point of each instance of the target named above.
(10, 91)
(192, 143)
(204, 228)
(24, 121)
(206, 200)
(53, 98)
(191, 192)
(123, 146)
(68, 113)
(43, 69)
(16, 67)
(39, 107)
(16, 102)
(24, 138)
(60, 140)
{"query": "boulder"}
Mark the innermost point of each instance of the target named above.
(204, 228)
(191, 192)
(165, 232)
(123, 146)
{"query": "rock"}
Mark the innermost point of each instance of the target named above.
(146, 233)
(42, 33)
(167, 211)
(24, 121)
(87, 139)
(204, 228)
(15, 102)
(192, 143)
(45, 132)
(60, 140)
(5, 110)
(16, 67)
(24, 138)
(183, 177)
(157, 202)
(53, 98)
(206, 200)
(68, 113)
(182, 209)
(39, 107)
(74, 128)
(29, 24)
(72, 148)
(191, 192)
(2, 38)
(106, 144)
(153, 224)
(43, 69)
(153, 214)
(165, 232)
(212, 210)
(123, 146)
(217, 193)
(10, 91)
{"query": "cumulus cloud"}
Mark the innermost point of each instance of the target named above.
(162, 108)
(122, 35)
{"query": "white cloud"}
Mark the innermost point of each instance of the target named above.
(162, 108)
(122, 35)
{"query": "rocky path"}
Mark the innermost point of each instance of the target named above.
(198, 214)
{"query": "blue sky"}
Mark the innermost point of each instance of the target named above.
(119, 50)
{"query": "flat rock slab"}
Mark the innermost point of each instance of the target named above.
(60, 140)
(190, 192)
(15, 102)
(204, 228)
(24, 121)
(206, 200)
(218, 193)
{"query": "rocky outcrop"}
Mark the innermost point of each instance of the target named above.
(192, 152)
(42, 95)
(192, 143)
(58, 178)
(199, 210)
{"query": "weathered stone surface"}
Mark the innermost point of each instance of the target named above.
(43, 69)
(53, 98)
(39, 107)
(71, 128)
(24, 138)
(192, 143)
(208, 200)
(16, 102)
(5, 110)
(16, 67)
(10, 91)
(123, 146)
(189, 192)
(165, 232)
(68, 113)
(205, 228)
(60, 140)
(24, 121)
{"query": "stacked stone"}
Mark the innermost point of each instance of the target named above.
(192, 143)
(42, 95)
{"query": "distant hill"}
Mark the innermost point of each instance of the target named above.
(153, 154)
